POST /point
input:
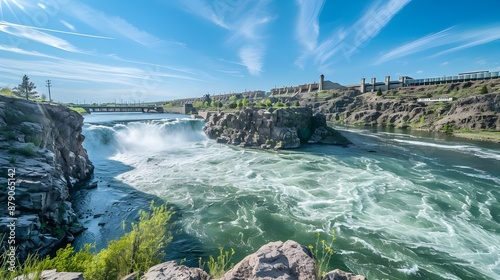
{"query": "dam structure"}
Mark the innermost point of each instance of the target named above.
(306, 88)
(405, 81)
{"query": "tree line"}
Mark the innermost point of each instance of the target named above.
(26, 89)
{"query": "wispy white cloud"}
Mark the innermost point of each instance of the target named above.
(111, 25)
(344, 42)
(451, 39)
(444, 63)
(245, 20)
(251, 57)
(424, 43)
(29, 33)
(23, 52)
(307, 27)
(85, 72)
(68, 25)
(211, 12)
(52, 30)
(481, 61)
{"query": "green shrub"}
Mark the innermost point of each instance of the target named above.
(218, 266)
(26, 130)
(323, 252)
(137, 250)
(35, 139)
(379, 92)
(297, 104)
(27, 150)
(447, 128)
(484, 90)
(198, 104)
(67, 259)
(11, 135)
(13, 117)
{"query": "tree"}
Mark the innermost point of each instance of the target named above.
(484, 90)
(379, 92)
(206, 100)
(26, 89)
(244, 102)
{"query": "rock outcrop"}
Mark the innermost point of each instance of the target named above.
(274, 128)
(172, 270)
(43, 143)
(474, 113)
(276, 260)
(53, 275)
(471, 113)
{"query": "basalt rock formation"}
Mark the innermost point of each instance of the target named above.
(478, 112)
(41, 144)
(274, 128)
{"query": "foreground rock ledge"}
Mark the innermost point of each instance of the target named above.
(276, 260)
(274, 128)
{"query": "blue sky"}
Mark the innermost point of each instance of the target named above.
(150, 50)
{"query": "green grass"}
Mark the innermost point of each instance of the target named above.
(80, 110)
(493, 136)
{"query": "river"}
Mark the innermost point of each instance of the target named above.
(404, 205)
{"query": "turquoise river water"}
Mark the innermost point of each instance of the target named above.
(403, 205)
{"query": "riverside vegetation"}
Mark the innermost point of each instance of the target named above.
(137, 250)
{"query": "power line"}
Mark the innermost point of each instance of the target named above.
(49, 84)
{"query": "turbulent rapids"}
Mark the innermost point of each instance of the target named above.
(418, 207)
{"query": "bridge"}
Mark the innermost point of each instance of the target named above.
(110, 109)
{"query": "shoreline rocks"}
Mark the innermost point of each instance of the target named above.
(273, 128)
(276, 260)
(43, 142)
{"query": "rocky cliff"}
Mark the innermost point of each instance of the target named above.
(274, 128)
(43, 143)
(475, 112)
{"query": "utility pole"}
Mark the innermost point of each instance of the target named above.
(49, 84)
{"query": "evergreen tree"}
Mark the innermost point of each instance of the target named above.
(379, 92)
(26, 89)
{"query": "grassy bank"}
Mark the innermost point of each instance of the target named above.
(491, 136)
(79, 110)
